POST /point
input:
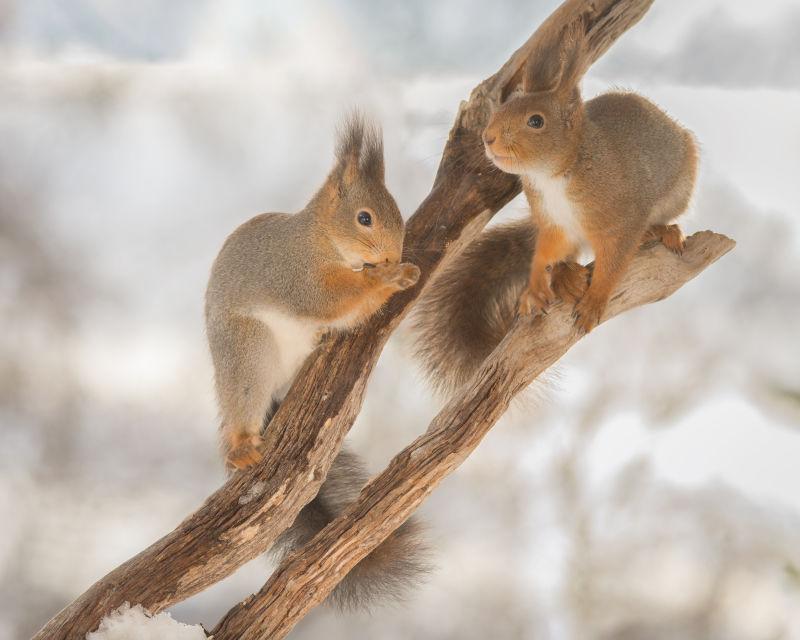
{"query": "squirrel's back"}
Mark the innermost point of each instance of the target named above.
(263, 261)
(655, 152)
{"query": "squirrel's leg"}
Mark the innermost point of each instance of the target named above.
(670, 235)
(552, 246)
(245, 359)
(356, 295)
(612, 252)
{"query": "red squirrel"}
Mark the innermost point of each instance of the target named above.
(279, 282)
(607, 175)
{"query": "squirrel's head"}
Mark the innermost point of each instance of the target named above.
(539, 128)
(357, 212)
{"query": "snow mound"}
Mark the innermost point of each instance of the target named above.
(135, 623)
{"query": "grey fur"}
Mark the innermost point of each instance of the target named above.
(267, 303)
(275, 263)
(388, 573)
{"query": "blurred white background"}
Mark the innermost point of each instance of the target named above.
(651, 490)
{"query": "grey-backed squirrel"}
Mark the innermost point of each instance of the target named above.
(279, 282)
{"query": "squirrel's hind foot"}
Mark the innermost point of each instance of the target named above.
(244, 450)
(670, 235)
(570, 280)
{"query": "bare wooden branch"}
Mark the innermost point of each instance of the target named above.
(244, 517)
(531, 346)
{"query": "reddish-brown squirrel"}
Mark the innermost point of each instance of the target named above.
(606, 175)
(279, 282)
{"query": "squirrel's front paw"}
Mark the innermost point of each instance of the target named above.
(244, 450)
(588, 313)
(536, 298)
(408, 275)
(399, 275)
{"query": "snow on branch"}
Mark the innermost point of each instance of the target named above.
(135, 623)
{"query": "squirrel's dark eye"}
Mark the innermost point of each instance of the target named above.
(364, 218)
(536, 121)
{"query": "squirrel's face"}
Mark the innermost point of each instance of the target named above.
(367, 227)
(530, 132)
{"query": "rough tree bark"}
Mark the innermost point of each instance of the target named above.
(243, 518)
(531, 346)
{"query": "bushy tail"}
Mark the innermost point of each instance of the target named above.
(469, 307)
(390, 571)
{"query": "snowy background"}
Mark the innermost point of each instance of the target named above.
(652, 490)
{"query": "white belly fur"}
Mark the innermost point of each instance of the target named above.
(295, 339)
(555, 203)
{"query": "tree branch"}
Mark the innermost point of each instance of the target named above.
(244, 517)
(532, 345)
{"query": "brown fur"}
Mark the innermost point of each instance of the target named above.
(468, 308)
(620, 161)
(279, 282)
(360, 294)
(627, 170)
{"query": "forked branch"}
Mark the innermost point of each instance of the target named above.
(531, 346)
(244, 517)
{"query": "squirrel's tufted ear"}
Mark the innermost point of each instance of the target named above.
(542, 73)
(349, 143)
(359, 152)
(372, 154)
(558, 65)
